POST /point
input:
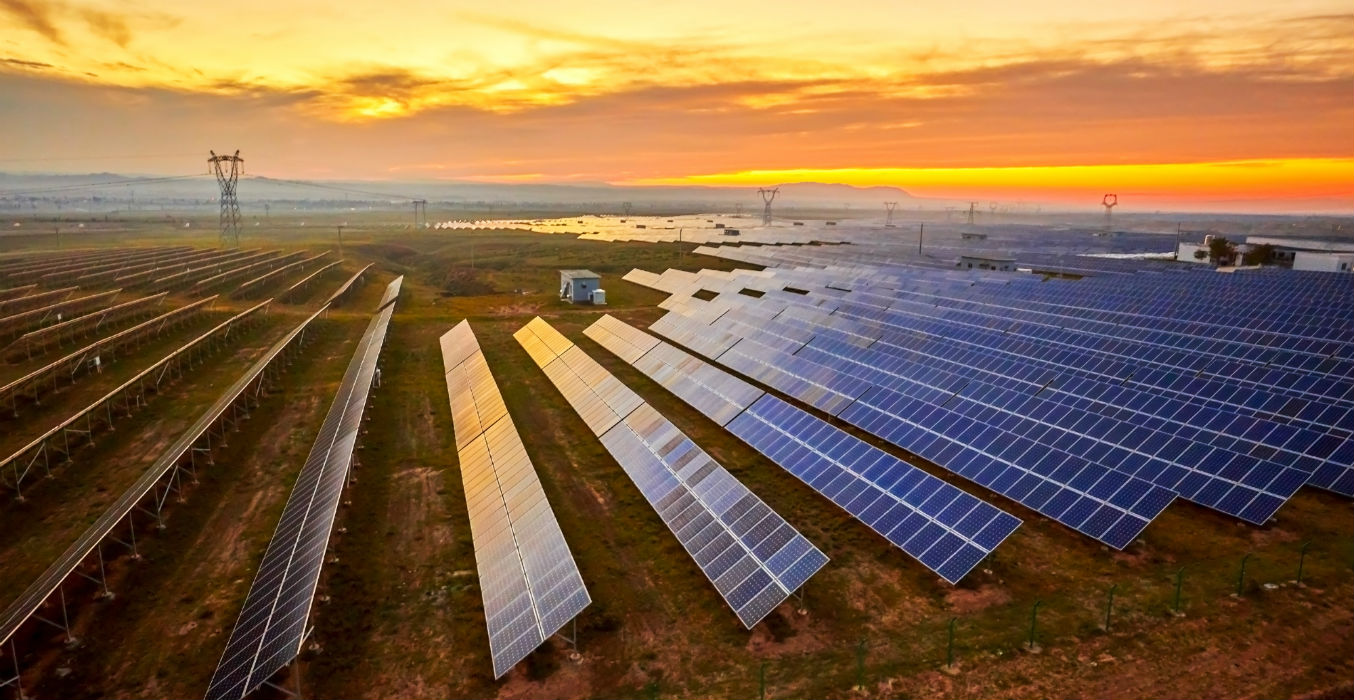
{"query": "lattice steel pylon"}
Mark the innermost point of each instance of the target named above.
(888, 213)
(1109, 202)
(227, 170)
(420, 213)
(768, 195)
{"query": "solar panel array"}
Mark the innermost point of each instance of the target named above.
(134, 498)
(752, 556)
(1139, 375)
(946, 529)
(272, 624)
(528, 578)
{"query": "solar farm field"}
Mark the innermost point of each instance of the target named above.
(758, 471)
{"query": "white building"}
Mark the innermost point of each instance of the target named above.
(577, 286)
(1323, 262)
(1186, 252)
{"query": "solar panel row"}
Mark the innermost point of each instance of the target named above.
(1213, 473)
(1187, 402)
(272, 625)
(1109, 506)
(752, 556)
(947, 530)
(528, 578)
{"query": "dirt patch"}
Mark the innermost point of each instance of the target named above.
(964, 601)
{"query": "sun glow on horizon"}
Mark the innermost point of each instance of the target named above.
(1296, 178)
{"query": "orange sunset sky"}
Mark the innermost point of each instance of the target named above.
(1204, 104)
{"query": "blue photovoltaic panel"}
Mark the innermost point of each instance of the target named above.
(1109, 506)
(1228, 471)
(949, 531)
(717, 394)
(752, 556)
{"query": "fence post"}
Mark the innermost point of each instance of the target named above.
(761, 681)
(860, 664)
(1034, 619)
(1179, 579)
(1241, 575)
(1109, 607)
(949, 645)
(1302, 559)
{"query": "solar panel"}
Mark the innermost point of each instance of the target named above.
(1214, 463)
(626, 341)
(752, 556)
(1109, 506)
(528, 578)
(944, 528)
(272, 624)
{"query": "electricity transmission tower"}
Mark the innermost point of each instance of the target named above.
(626, 206)
(420, 213)
(888, 213)
(227, 170)
(971, 207)
(768, 195)
(1109, 202)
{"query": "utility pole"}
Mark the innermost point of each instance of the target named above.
(227, 170)
(920, 235)
(340, 232)
(768, 195)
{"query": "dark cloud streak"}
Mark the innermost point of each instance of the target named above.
(37, 16)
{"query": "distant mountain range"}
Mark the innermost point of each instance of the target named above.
(152, 188)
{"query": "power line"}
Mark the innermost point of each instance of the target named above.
(337, 188)
(94, 185)
(57, 159)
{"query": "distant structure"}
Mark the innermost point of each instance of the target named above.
(972, 206)
(420, 213)
(768, 195)
(888, 213)
(625, 206)
(1109, 202)
(581, 287)
(986, 262)
(227, 170)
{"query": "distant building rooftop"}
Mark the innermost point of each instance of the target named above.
(577, 274)
(1302, 244)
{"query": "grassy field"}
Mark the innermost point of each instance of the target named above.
(400, 611)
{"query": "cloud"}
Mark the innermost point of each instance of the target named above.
(676, 109)
(34, 65)
(108, 26)
(37, 16)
